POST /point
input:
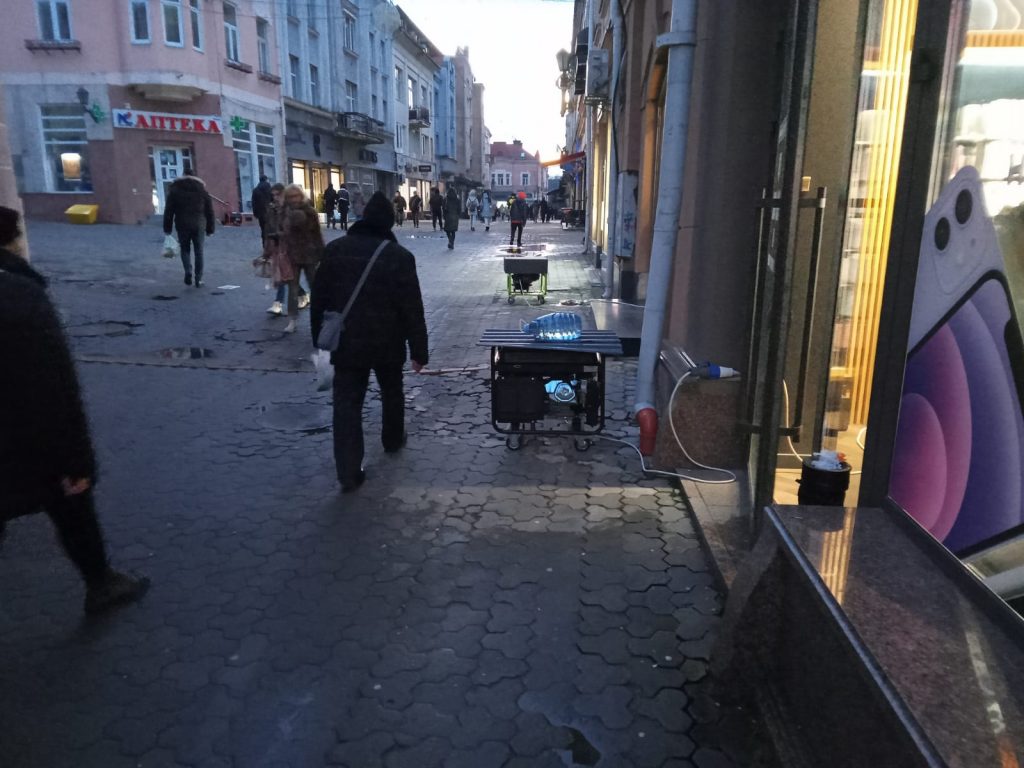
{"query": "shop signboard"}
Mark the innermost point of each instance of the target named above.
(164, 121)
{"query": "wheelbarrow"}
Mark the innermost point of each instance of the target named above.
(526, 276)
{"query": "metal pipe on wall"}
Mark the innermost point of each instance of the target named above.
(680, 40)
(613, 153)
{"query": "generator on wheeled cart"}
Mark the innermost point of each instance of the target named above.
(548, 388)
(521, 272)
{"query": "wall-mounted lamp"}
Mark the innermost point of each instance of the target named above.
(83, 98)
(95, 111)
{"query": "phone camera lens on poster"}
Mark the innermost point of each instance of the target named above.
(824, 479)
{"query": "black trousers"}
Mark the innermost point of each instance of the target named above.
(263, 228)
(187, 239)
(343, 217)
(436, 218)
(78, 530)
(349, 395)
(517, 228)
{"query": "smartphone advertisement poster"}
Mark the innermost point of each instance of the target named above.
(958, 460)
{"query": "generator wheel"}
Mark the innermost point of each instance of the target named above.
(511, 299)
(514, 442)
(582, 443)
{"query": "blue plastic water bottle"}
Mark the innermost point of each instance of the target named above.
(555, 326)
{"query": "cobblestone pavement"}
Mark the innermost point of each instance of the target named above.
(469, 606)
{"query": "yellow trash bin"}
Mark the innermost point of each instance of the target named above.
(82, 214)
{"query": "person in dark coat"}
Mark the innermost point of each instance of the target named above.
(518, 212)
(386, 318)
(452, 212)
(261, 197)
(46, 455)
(189, 210)
(330, 202)
(343, 203)
(415, 208)
(436, 203)
(399, 203)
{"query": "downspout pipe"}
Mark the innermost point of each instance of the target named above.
(589, 186)
(681, 39)
(613, 154)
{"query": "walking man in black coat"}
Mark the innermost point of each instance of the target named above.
(189, 210)
(387, 317)
(262, 196)
(46, 455)
(343, 203)
(330, 201)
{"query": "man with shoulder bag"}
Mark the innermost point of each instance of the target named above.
(366, 296)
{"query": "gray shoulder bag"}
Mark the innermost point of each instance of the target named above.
(334, 322)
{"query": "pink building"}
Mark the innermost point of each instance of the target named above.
(108, 101)
(513, 170)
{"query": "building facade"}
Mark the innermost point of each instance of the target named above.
(417, 63)
(109, 114)
(446, 120)
(515, 170)
(801, 257)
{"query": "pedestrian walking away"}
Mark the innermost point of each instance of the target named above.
(281, 269)
(472, 205)
(46, 454)
(486, 210)
(343, 203)
(399, 203)
(545, 211)
(415, 208)
(330, 202)
(436, 203)
(261, 196)
(384, 321)
(518, 212)
(452, 212)
(189, 211)
(302, 243)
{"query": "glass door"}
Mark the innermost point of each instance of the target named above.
(778, 211)
(168, 164)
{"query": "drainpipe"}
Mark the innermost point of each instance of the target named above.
(588, 140)
(613, 155)
(680, 40)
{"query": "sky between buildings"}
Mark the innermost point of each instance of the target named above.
(512, 47)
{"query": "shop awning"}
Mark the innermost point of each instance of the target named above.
(564, 159)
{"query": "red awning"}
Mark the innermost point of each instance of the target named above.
(564, 159)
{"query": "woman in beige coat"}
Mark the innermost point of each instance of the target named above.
(302, 241)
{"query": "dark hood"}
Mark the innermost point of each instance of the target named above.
(14, 264)
(366, 228)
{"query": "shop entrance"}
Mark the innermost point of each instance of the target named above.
(166, 165)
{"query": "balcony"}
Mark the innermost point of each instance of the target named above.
(362, 128)
(419, 117)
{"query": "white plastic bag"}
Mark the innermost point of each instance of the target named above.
(171, 248)
(324, 370)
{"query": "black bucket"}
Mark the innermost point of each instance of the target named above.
(823, 487)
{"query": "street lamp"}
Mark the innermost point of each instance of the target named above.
(565, 79)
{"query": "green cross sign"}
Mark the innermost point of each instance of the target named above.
(238, 124)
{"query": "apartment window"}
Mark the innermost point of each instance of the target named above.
(351, 96)
(293, 69)
(424, 146)
(412, 92)
(140, 21)
(173, 33)
(399, 136)
(290, 9)
(263, 45)
(373, 51)
(311, 12)
(424, 99)
(382, 56)
(314, 84)
(349, 32)
(399, 77)
(373, 107)
(384, 115)
(231, 32)
(526, 179)
(196, 17)
(65, 148)
(54, 19)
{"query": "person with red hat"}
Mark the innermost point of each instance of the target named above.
(518, 212)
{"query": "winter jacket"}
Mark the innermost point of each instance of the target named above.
(415, 204)
(452, 211)
(301, 237)
(330, 200)
(343, 200)
(399, 203)
(44, 435)
(519, 212)
(486, 209)
(262, 196)
(189, 207)
(387, 315)
(436, 201)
